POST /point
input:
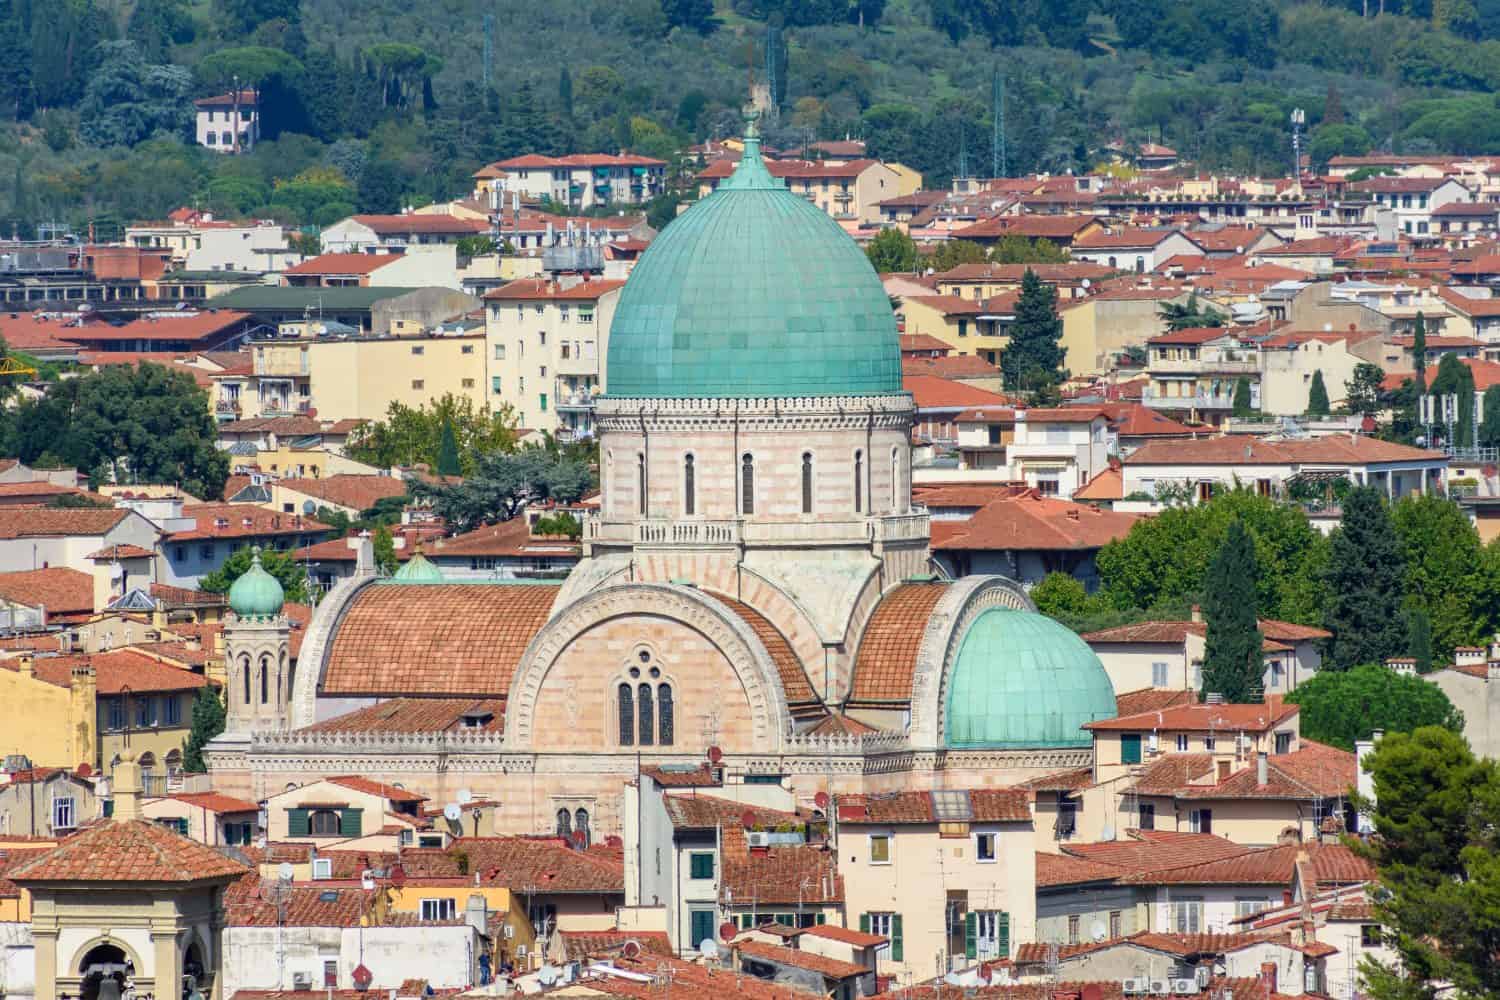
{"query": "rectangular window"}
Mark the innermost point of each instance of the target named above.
(116, 714)
(544, 402)
(1245, 906)
(1130, 748)
(1187, 915)
(171, 714)
(468, 383)
(1147, 812)
(963, 328)
(1209, 742)
(1114, 924)
(495, 383)
(888, 926)
(1067, 816)
(1182, 742)
(1369, 936)
(467, 349)
(63, 815)
(1159, 675)
(143, 713)
(322, 868)
(439, 909)
(417, 383)
(702, 927)
(1073, 926)
(984, 847)
(330, 974)
(880, 849)
(419, 350)
(1201, 821)
(1283, 743)
(701, 865)
(499, 352)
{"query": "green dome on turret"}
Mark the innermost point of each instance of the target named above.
(1024, 681)
(418, 570)
(753, 292)
(256, 594)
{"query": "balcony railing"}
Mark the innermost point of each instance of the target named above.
(1194, 366)
(1196, 401)
(908, 527)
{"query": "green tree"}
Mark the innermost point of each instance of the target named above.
(1033, 360)
(565, 91)
(893, 251)
(1232, 658)
(1362, 390)
(1020, 250)
(380, 188)
(1339, 707)
(951, 253)
(1317, 396)
(1445, 573)
(1365, 582)
(447, 462)
(1456, 378)
(291, 574)
(1489, 425)
(384, 544)
(207, 722)
(1419, 639)
(695, 15)
(129, 100)
(1435, 817)
(504, 483)
(1190, 315)
(563, 525)
(1243, 405)
(1061, 595)
(1419, 351)
(476, 246)
(244, 16)
(411, 435)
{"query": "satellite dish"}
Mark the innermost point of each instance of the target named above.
(1098, 931)
(366, 880)
(465, 796)
(286, 871)
(709, 949)
(715, 755)
(726, 930)
(453, 812)
(632, 949)
(1108, 833)
(546, 975)
(821, 800)
(1085, 283)
(84, 770)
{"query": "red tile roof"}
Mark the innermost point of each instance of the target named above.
(238, 520)
(829, 968)
(112, 552)
(1070, 272)
(701, 776)
(114, 671)
(1108, 485)
(952, 367)
(134, 851)
(302, 905)
(60, 590)
(845, 935)
(580, 945)
(1138, 420)
(1334, 448)
(887, 652)
(1053, 870)
(471, 639)
(988, 805)
(530, 864)
(1126, 237)
(34, 522)
(388, 792)
(511, 538)
(1036, 523)
(1073, 780)
(423, 223)
(343, 263)
(1191, 335)
(347, 490)
(1151, 699)
(779, 875)
(1152, 849)
(187, 326)
(696, 811)
(530, 289)
(416, 715)
(215, 802)
(933, 393)
(1051, 227)
(1193, 718)
(794, 680)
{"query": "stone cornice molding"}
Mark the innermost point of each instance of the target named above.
(889, 412)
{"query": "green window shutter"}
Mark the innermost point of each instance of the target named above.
(864, 923)
(109, 808)
(1004, 935)
(297, 824)
(701, 865)
(350, 822)
(182, 826)
(971, 935)
(822, 917)
(896, 952)
(1130, 748)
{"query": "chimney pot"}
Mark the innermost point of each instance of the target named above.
(1261, 769)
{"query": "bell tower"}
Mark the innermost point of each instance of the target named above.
(257, 655)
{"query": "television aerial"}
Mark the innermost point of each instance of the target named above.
(286, 871)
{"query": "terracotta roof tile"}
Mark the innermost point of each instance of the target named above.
(780, 874)
(532, 864)
(343, 263)
(933, 393)
(60, 590)
(701, 776)
(114, 671)
(1054, 870)
(988, 805)
(302, 905)
(185, 596)
(794, 680)
(580, 945)
(1061, 781)
(1108, 484)
(1193, 718)
(887, 652)
(1333, 448)
(829, 968)
(1151, 849)
(416, 715)
(215, 802)
(529, 289)
(33, 522)
(134, 851)
(511, 538)
(1171, 772)
(704, 812)
(111, 552)
(471, 639)
(845, 935)
(389, 792)
(238, 520)
(839, 724)
(1035, 523)
(359, 492)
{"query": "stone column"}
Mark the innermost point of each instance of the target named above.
(166, 962)
(44, 949)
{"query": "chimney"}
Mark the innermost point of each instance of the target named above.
(27, 665)
(1268, 977)
(127, 789)
(1198, 614)
(1260, 770)
(1364, 782)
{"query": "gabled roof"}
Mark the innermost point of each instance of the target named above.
(238, 520)
(1053, 870)
(114, 671)
(930, 392)
(60, 590)
(1035, 523)
(417, 715)
(348, 490)
(511, 538)
(696, 811)
(215, 802)
(127, 852)
(540, 289)
(989, 805)
(419, 222)
(829, 968)
(1127, 238)
(1151, 849)
(539, 865)
(343, 263)
(1204, 718)
(53, 522)
(1332, 449)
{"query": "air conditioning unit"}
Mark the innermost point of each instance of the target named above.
(520, 951)
(757, 838)
(510, 932)
(1161, 987)
(302, 980)
(1184, 987)
(1136, 986)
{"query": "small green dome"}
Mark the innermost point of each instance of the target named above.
(1023, 681)
(753, 292)
(256, 594)
(418, 570)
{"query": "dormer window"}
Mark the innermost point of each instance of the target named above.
(477, 719)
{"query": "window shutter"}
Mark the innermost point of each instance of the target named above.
(1004, 935)
(971, 935)
(822, 917)
(297, 824)
(182, 826)
(864, 923)
(350, 822)
(896, 952)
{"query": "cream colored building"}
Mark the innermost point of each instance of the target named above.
(949, 877)
(981, 329)
(335, 809)
(1288, 362)
(546, 341)
(1099, 328)
(360, 377)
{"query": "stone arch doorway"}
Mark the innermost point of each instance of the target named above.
(106, 972)
(194, 970)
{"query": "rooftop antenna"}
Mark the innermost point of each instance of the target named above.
(997, 145)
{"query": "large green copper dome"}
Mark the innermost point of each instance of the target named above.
(256, 594)
(1023, 681)
(753, 292)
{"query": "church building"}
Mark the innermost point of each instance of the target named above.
(756, 580)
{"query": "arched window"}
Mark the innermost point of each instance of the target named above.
(664, 714)
(895, 480)
(640, 482)
(581, 824)
(173, 760)
(245, 669)
(689, 486)
(564, 823)
(807, 484)
(265, 680)
(643, 710)
(859, 481)
(323, 823)
(747, 484)
(1113, 263)
(627, 716)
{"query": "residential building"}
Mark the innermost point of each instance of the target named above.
(580, 181)
(510, 550)
(207, 817)
(58, 595)
(1055, 451)
(201, 243)
(1473, 681)
(407, 233)
(845, 189)
(1059, 230)
(1167, 655)
(229, 123)
(1194, 372)
(1271, 465)
(945, 875)
(434, 267)
(221, 528)
(333, 810)
(1413, 199)
(1138, 250)
(46, 802)
(345, 493)
(985, 281)
(939, 404)
(1105, 326)
(182, 330)
(1290, 360)
(546, 339)
(43, 537)
(977, 328)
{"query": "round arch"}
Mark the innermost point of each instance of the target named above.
(76, 967)
(688, 606)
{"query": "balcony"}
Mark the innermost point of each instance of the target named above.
(1205, 366)
(1197, 401)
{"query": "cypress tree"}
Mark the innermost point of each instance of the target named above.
(1419, 639)
(1232, 659)
(208, 722)
(448, 463)
(1035, 355)
(1242, 407)
(1364, 577)
(1419, 352)
(1317, 396)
